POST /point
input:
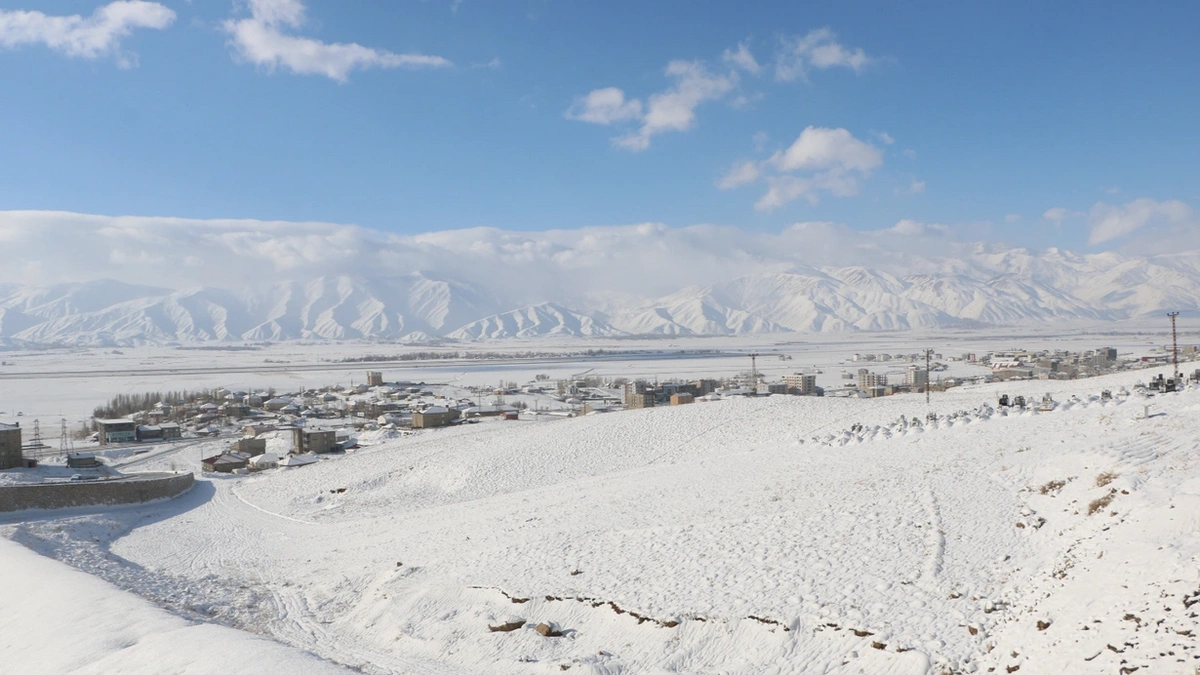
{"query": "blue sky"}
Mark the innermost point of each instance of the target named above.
(506, 113)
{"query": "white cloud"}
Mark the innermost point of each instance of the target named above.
(833, 160)
(1108, 222)
(675, 108)
(819, 49)
(741, 174)
(605, 106)
(760, 139)
(915, 187)
(784, 189)
(648, 258)
(742, 58)
(743, 101)
(1058, 214)
(1012, 218)
(97, 35)
(822, 148)
(263, 39)
(912, 228)
(884, 137)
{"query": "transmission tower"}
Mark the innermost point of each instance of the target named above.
(754, 371)
(64, 443)
(37, 435)
(1174, 347)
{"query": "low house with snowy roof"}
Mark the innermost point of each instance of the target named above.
(82, 460)
(267, 460)
(277, 404)
(488, 411)
(299, 460)
(149, 433)
(224, 463)
(434, 416)
(252, 430)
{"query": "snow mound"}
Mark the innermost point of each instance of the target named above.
(72, 623)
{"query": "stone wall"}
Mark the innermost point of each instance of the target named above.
(94, 493)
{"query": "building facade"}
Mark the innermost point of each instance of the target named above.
(867, 381)
(916, 378)
(116, 431)
(638, 395)
(436, 416)
(801, 383)
(309, 440)
(10, 447)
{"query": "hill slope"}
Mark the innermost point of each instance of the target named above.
(989, 286)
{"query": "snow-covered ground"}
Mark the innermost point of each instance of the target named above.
(59, 620)
(739, 536)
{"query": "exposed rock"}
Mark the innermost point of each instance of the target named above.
(507, 624)
(550, 629)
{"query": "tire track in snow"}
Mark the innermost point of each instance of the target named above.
(270, 513)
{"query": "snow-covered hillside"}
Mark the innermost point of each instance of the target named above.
(781, 534)
(546, 319)
(62, 621)
(989, 286)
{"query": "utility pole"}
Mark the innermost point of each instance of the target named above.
(1174, 348)
(928, 354)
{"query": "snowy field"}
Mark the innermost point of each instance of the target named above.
(739, 536)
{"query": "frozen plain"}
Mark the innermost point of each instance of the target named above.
(779, 541)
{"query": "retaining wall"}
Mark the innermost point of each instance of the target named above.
(94, 493)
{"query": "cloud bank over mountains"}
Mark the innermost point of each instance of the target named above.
(75, 278)
(41, 247)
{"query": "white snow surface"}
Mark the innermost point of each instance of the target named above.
(58, 620)
(780, 534)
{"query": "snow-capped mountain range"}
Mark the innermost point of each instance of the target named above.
(990, 287)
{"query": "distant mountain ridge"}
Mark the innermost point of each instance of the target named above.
(991, 286)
